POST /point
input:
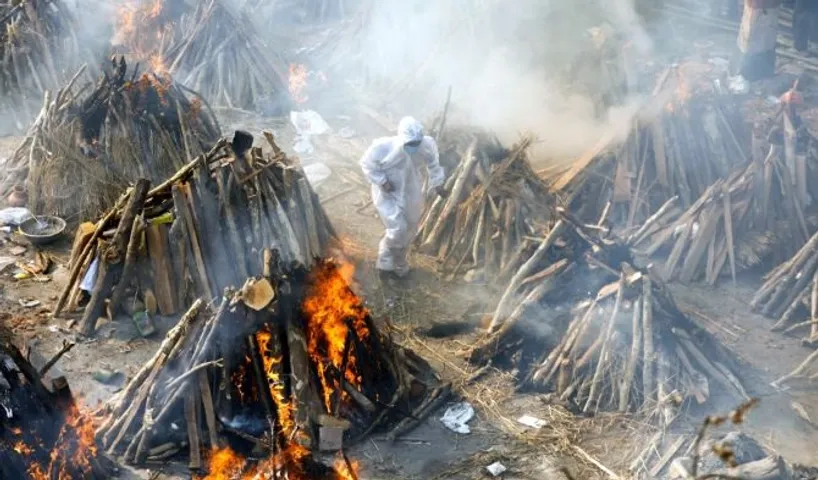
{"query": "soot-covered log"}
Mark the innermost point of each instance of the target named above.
(287, 365)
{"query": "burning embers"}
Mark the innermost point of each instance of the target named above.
(290, 364)
(43, 435)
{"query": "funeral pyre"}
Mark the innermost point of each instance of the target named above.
(211, 47)
(44, 433)
(580, 320)
(688, 133)
(495, 204)
(199, 232)
(86, 146)
(756, 216)
(290, 364)
(38, 43)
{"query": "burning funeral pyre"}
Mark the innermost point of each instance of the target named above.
(38, 42)
(688, 134)
(494, 205)
(199, 232)
(84, 149)
(43, 432)
(579, 319)
(211, 48)
(290, 364)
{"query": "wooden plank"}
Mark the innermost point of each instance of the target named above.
(164, 288)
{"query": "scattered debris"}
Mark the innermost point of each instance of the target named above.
(532, 422)
(457, 417)
(496, 469)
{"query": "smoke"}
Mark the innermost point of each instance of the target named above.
(532, 65)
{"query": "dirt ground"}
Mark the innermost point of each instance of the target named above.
(432, 451)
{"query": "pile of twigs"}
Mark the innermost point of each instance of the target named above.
(38, 42)
(755, 215)
(86, 146)
(577, 318)
(494, 207)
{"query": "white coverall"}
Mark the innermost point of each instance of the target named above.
(388, 159)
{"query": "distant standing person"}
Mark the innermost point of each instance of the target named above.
(757, 38)
(397, 190)
(804, 23)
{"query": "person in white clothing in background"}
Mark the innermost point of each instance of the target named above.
(391, 165)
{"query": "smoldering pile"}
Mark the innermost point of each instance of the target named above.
(688, 134)
(205, 229)
(289, 365)
(211, 47)
(579, 319)
(88, 144)
(43, 432)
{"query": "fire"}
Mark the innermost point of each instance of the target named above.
(71, 454)
(283, 406)
(298, 83)
(331, 309)
(141, 30)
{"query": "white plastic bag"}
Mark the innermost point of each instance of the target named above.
(14, 216)
(457, 416)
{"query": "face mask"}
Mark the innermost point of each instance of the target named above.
(410, 149)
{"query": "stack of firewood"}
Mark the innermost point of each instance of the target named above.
(688, 135)
(38, 43)
(583, 322)
(216, 52)
(199, 232)
(495, 206)
(790, 292)
(43, 432)
(756, 215)
(290, 364)
(86, 146)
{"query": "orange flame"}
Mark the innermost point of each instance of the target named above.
(331, 308)
(73, 451)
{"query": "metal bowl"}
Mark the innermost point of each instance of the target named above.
(42, 230)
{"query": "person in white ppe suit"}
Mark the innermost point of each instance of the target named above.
(391, 165)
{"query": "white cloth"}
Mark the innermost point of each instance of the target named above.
(400, 210)
(90, 277)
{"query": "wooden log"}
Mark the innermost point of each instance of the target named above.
(183, 210)
(304, 390)
(633, 359)
(209, 411)
(194, 439)
(91, 245)
(648, 384)
(157, 241)
(597, 378)
(111, 260)
(129, 267)
(453, 200)
(524, 272)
